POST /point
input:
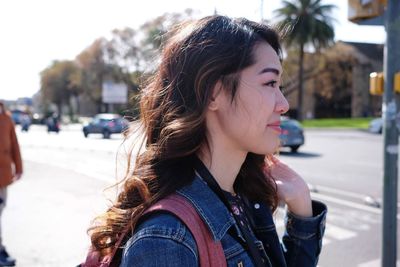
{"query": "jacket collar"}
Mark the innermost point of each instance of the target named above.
(210, 208)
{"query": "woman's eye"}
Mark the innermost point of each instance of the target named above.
(271, 83)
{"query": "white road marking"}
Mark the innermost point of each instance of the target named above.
(338, 233)
(338, 191)
(374, 263)
(364, 227)
(326, 241)
(346, 203)
(349, 204)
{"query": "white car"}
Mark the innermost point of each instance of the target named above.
(376, 125)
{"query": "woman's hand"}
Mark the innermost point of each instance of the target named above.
(17, 176)
(292, 189)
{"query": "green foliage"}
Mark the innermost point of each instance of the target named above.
(355, 123)
(306, 22)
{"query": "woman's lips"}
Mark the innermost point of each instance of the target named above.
(276, 128)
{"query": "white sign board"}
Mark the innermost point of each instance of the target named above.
(114, 93)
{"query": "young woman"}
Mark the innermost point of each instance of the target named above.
(211, 119)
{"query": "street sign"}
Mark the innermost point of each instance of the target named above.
(114, 93)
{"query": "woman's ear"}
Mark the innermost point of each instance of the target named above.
(215, 97)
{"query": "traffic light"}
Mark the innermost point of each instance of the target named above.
(376, 83)
(397, 82)
(365, 9)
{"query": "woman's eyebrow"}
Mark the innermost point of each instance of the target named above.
(273, 70)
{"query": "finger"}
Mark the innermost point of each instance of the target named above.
(267, 170)
(275, 159)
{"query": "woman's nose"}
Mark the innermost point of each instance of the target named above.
(282, 106)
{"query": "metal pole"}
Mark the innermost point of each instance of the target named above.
(391, 134)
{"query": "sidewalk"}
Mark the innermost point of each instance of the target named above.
(47, 215)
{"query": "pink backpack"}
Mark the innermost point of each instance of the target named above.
(210, 252)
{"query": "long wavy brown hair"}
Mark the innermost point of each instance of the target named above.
(172, 117)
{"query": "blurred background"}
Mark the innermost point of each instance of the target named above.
(70, 74)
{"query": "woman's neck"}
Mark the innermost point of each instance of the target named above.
(223, 165)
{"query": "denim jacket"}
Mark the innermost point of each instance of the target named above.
(161, 239)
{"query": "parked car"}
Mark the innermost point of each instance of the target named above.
(106, 124)
(376, 125)
(292, 134)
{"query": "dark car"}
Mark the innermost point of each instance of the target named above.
(105, 124)
(292, 134)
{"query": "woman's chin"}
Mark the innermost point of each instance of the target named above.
(267, 150)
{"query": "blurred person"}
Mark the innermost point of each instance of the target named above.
(10, 169)
(25, 122)
(53, 123)
(211, 122)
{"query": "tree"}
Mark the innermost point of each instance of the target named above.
(122, 58)
(91, 61)
(328, 78)
(107, 60)
(122, 49)
(59, 82)
(155, 33)
(307, 22)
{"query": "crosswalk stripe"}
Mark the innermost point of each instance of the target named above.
(338, 233)
(326, 241)
(347, 203)
(374, 263)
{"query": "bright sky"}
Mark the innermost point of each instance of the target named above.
(33, 33)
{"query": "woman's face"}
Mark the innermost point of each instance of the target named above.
(251, 122)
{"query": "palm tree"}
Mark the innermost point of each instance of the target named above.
(308, 22)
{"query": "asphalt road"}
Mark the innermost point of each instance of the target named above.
(347, 160)
(51, 207)
(345, 169)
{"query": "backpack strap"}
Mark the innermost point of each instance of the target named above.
(211, 253)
